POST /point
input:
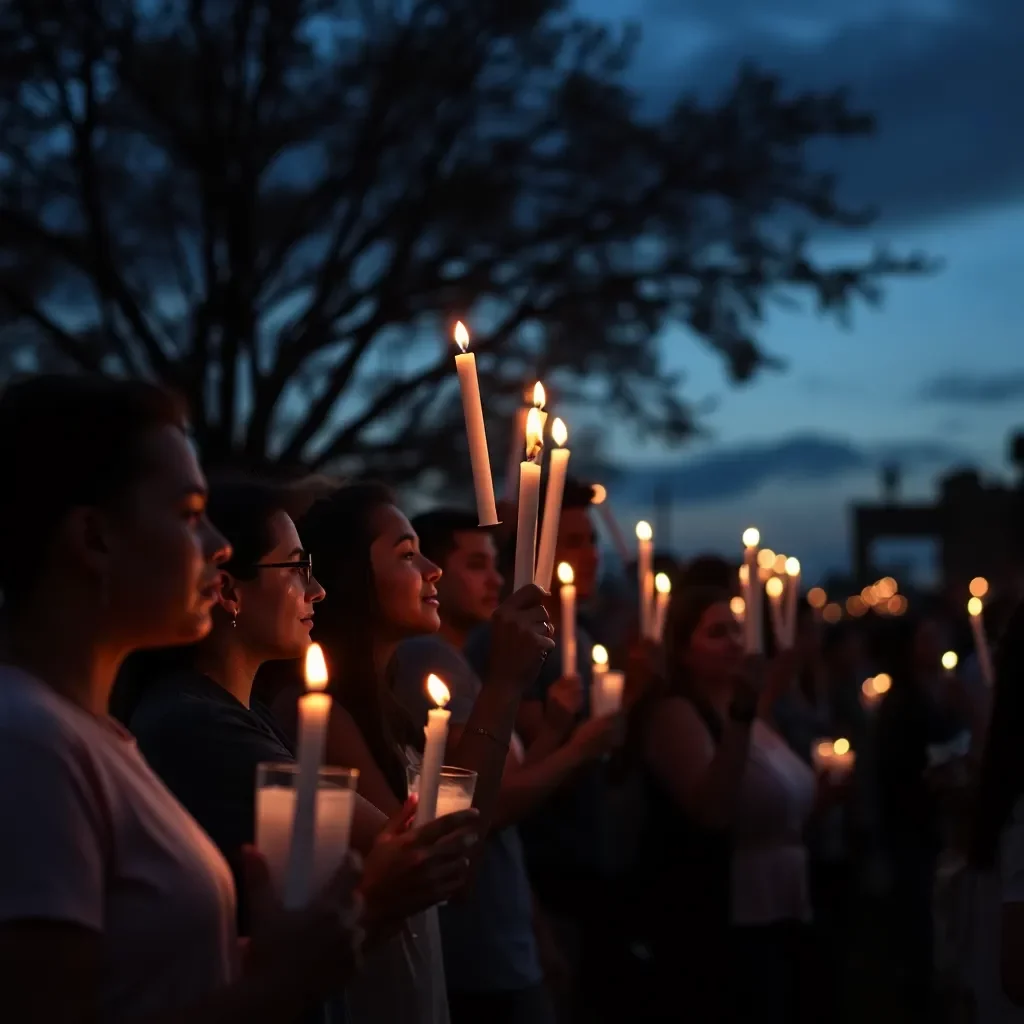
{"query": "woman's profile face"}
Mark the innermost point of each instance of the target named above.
(715, 651)
(157, 553)
(273, 612)
(405, 580)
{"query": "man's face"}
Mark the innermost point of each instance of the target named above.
(577, 545)
(470, 587)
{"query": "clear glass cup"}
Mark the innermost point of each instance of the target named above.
(275, 812)
(455, 789)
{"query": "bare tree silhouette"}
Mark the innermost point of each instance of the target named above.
(278, 206)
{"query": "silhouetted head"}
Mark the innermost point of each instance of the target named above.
(470, 585)
(103, 512)
(703, 640)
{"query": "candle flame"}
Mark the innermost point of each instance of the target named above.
(826, 749)
(461, 336)
(751, 537)
(979, 586)
(766, 558)
(662, 584)
(774, 587)
(883, 682)
(598, 492)
(744, 573)
(558, 433)
(868, 687)
(438, 691)
(817, 598)
(792, 566)
(779, 565)
(974, 606)
(599, 655)
(841, 746)
(565, 574)
(316, 668)
(950, 661)
(644, 531)
(738, 607)
(534, 434)
(539, 395)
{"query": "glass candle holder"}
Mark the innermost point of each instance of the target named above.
(275, 814)
(455, 791)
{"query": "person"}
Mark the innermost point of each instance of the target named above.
(382, 590)
(492, 963)
(919, 781)
(727, 894)
(996, 854)
(201, 730)
(114, 904)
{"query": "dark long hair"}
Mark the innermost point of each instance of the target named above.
(339, 531)
(241, 508)
(1002, 763)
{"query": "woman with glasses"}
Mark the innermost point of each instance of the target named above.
(200, 729)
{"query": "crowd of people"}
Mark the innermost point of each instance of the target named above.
(683, 859)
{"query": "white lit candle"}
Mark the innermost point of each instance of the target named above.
(645, 576)
(529, 503)
(598, 660)
(433, 750)
(738, 607)
(833, 757)
(873, 690)
(981, 648)
(567, 638)
(754, 643)
(663, 586)
(774, 588)
(950, 660)
(314, 713)
(606, 694)
(792, 597)
(472, 408)
(539, 399)
(558, 465)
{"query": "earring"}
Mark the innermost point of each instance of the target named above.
(234, 620)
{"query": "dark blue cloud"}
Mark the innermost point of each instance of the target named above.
(735, 471)
(974, 388)
(946, 87)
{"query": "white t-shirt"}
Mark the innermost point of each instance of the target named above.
(95, 839)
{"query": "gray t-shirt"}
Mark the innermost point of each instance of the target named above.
(100, 842)
(487, 934)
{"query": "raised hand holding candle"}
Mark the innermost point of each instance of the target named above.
(529, 503)
(433, 750)
(314, 713)
(645, 576)
(792, 596)
(472, 409)
(754, 643)
(984, 653)
(773, 588)
(567, 631)
(663, 586)
(558, 465)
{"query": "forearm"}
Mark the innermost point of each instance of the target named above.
(525, 788)
(263, 997)
(548, 740)
(484, 742)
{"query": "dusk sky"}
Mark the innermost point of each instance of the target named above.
(934, 378)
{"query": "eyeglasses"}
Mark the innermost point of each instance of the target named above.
(306, 564)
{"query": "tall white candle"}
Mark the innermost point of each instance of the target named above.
(567, 637)
(663, 586)
(792, 599)
(738, 608)
(606, 694)
(754, 642)
(773, 588)
(529, 504)
(472, 408)
(645, 576)
(314, 714)
(433, 751)
(539, 399)
(558, 465)
(983, 651)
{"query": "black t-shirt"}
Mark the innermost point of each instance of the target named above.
(206, 745)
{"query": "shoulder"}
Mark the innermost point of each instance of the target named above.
(32, 714)
(416, 659)
(176, 705)
(673, 720)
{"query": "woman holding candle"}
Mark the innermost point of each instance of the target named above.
(204, 734)
(114, 904)
(728, 800)
(381, 591)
